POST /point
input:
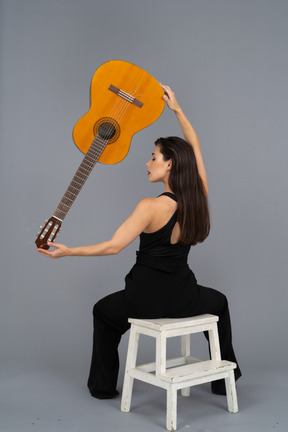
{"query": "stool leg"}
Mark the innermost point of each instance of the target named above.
(161, 340)
(185, 352)
(231, 392)
(130, 364)
(214, 343)
(171, 414)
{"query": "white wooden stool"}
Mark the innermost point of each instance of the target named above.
(181, 372)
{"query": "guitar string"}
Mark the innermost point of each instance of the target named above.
(116, 113)
(124, 107)
(94, 152)
(119, 109)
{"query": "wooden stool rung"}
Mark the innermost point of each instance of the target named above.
(200, 369)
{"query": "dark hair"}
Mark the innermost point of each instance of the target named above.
(187, 185)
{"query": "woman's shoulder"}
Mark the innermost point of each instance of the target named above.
(147, 203)
(151, 203)
(154, 201)
(157, 205)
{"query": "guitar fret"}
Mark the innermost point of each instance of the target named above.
(78, 176)
(87, 157)
(88, 161)
(75, 190)
(69, 199)
(84, 170)
(72, 187)
(92, 157)
(69, 195)
(62, 205)
(60, 214)
(77, 183)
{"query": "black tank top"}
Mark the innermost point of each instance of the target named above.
(157, 251)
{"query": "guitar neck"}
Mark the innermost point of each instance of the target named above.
(80, 177)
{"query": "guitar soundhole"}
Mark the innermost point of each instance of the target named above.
(108, 129)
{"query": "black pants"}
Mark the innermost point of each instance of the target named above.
(111, 322)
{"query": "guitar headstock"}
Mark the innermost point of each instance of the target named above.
(48, 233)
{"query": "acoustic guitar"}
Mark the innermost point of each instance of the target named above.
(124, 100)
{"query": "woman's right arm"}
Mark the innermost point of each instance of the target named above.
(188, 131)
(134, 225)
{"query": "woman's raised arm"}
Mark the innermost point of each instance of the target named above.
(188, 131)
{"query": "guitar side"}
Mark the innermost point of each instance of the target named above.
(127, 95)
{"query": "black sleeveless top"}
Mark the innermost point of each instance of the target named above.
(157, 251)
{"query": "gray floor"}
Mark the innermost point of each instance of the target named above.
(53, 400)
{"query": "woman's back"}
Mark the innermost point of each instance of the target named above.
(156, 248)
(165, 207)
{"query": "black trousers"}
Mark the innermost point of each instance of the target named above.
(111, 322)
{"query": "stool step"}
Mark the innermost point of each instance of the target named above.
(170, 363)
(197, 370)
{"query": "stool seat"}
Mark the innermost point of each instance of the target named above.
(174, 323)
(181, 372)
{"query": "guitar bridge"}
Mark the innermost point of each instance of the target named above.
(125, 96)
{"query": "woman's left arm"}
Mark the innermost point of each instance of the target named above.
(125, 234)
(188, 131)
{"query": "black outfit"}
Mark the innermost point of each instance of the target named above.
(160, 285)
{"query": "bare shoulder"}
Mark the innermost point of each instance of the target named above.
(156, 206)
(147, 205)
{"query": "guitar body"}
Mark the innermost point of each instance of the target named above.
(113, 86)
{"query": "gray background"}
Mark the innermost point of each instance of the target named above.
(227, 62)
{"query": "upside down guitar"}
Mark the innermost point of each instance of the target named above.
(124, 100)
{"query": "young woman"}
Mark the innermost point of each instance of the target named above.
(161, 283)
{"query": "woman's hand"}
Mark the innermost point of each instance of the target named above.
(169, 98)
(59, 251)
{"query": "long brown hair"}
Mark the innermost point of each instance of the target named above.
(186, 184)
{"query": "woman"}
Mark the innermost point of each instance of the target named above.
(168, 225)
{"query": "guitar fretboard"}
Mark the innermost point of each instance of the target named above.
(79, 179)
